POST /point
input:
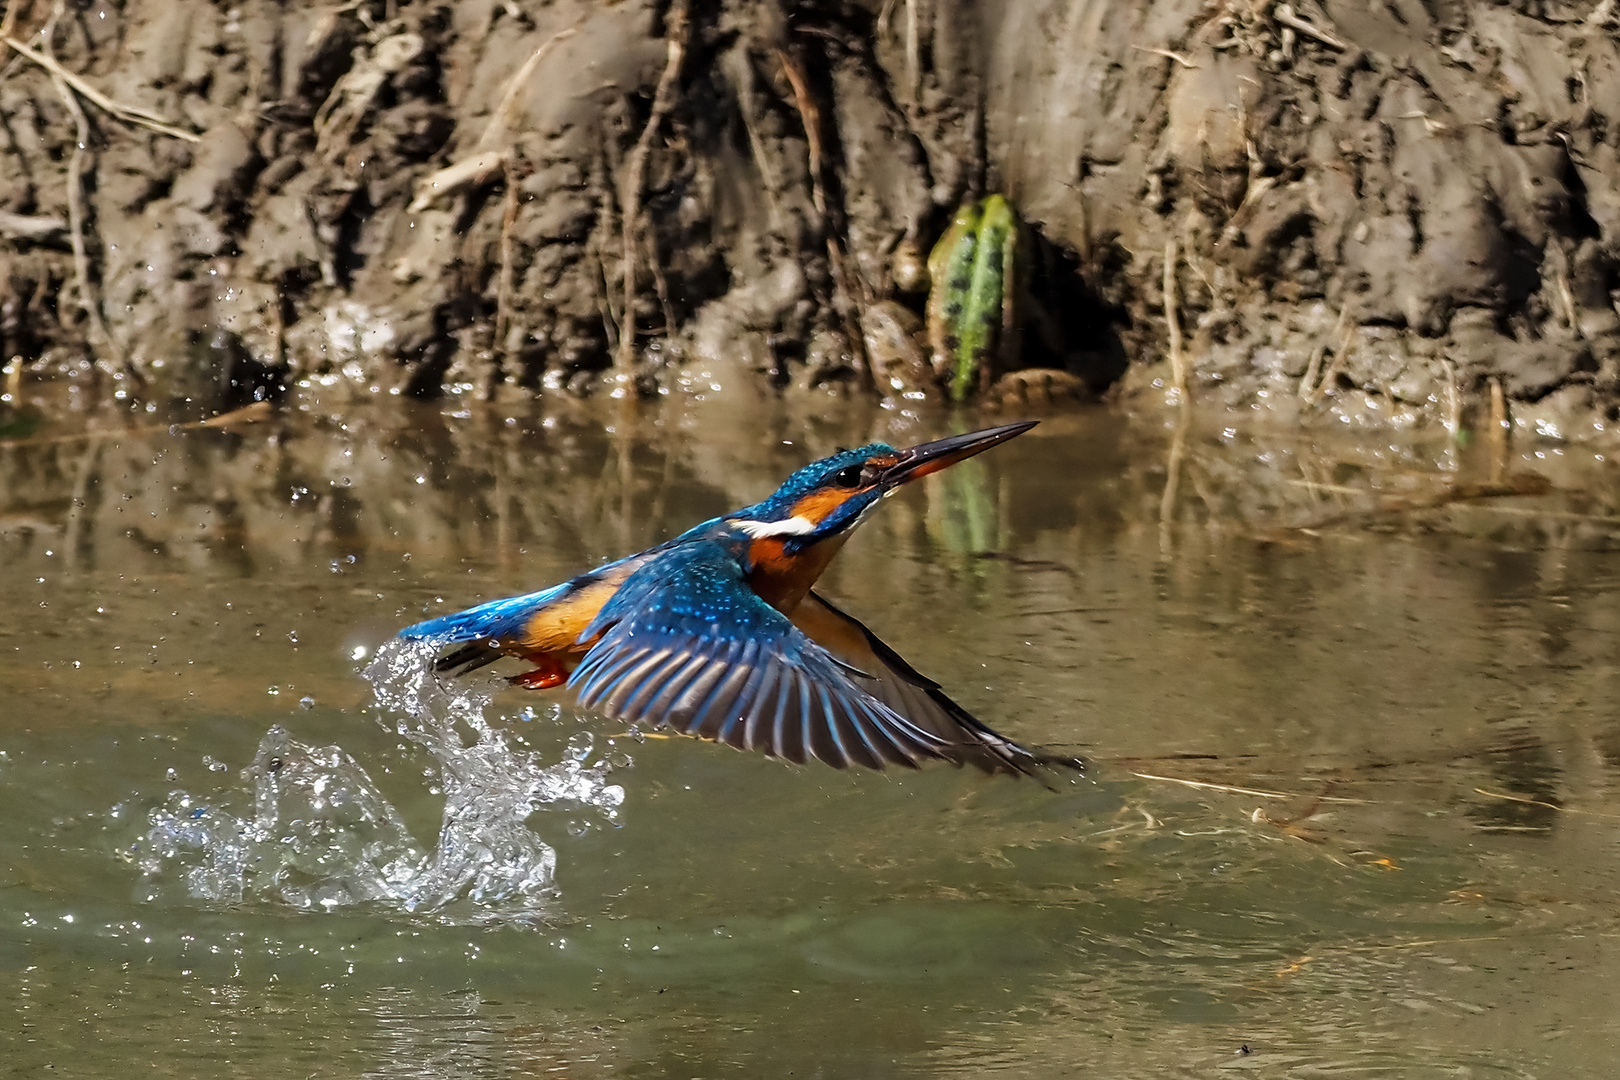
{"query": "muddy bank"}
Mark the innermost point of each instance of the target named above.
(1392, 214)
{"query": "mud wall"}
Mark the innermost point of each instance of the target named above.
(1391, 212)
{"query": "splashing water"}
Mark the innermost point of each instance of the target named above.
(321, 835)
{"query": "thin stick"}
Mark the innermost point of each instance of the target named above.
(100, 340)
(501, 117)
(913, 54)
(1229, 789)
(1166, 53)
(810, 117)
(850, 302)
(663, 102)
(1538, 802)
(1341, 352)
(1172, 315)
(503, 282)
(1284, 14)
(660, 284)
(247, 414)
(1307, 382)
(130, 114)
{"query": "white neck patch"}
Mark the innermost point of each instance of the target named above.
(793, 526)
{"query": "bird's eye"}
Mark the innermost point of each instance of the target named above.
(849, 476)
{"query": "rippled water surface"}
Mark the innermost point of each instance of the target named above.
(1351, 709)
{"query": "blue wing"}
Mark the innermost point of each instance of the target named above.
(687, 645)
(886, 676)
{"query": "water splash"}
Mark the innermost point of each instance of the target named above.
(320, 834)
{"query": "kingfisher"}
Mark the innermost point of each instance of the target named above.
(720, 634)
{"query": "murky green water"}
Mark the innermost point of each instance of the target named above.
(1416, 696)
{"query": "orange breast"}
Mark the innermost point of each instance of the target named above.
(782, 580)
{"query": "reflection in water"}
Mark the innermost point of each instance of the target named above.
(321, 835)
(1399, 693)
(426, 1035)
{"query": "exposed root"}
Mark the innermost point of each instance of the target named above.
(130, 114)
(470, 172)
(89, 300)
(494, 146)
(1172, 316)
(1285, 16)
(1167, 54)
(634, 176)
(497, 132)
(503, 281)
(849, 302)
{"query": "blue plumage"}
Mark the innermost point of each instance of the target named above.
(495, 620)
(717, 633)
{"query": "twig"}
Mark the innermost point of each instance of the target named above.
(1177, 57)
(35, 227)
(603, 168)
(1172, 315)
(848, 302)
(635, 168)
(1341, 353)
(1307, 381)
(1229, 789)
(503, 282)
(100, 340)
(247, 414)
(913, 53)
(501, 118)
(1541, 803)
(493, 149)
(660, 283)
(472, 171)
(130, 114)
(1284, 14)
(810, 118)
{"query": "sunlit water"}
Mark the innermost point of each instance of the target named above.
(246, 837)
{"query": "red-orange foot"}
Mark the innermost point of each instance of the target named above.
(547, 674)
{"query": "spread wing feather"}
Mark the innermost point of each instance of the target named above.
(885, 675)
(685, 644)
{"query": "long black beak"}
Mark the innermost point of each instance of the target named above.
(930, 457)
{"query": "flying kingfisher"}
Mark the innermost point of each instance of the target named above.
(719, 633)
